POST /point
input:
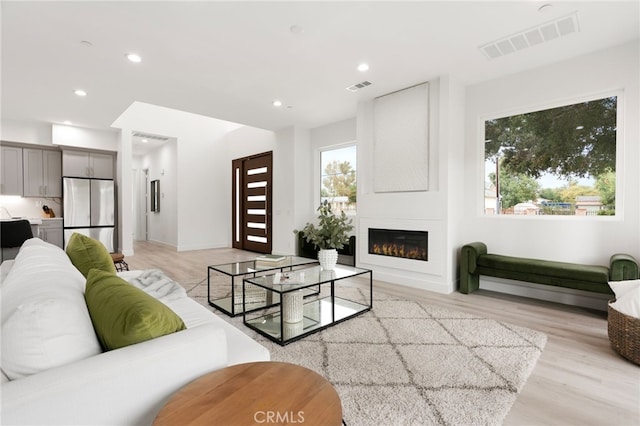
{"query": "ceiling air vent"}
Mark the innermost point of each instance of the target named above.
(548, 31)
(150, 136)
(358, 86)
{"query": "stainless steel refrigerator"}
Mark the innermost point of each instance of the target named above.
(89, 209)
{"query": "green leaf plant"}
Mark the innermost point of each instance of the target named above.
(332, 231)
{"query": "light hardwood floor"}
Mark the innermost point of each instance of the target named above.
(578, 380)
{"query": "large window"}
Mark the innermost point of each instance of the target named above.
(558, 161)
(338, 179)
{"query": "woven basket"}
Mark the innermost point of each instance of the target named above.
(624, 334)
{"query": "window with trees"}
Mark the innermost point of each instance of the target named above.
(338, 179)
(558, 161)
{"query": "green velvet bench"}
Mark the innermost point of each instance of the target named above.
(475, 261)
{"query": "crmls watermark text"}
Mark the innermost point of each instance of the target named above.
(278, 417)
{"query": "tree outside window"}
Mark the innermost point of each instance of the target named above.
(558, 161)
(338, 179)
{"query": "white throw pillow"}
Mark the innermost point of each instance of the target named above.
(627, 297)
(44, 334)
(45, 321)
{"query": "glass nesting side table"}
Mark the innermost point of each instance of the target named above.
(230, 299)
(337, 296)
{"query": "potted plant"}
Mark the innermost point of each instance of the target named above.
(331, 234)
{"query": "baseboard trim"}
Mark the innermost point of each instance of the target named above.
(410, 281)
(201, 247)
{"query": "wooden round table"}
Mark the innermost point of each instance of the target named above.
(255, 393)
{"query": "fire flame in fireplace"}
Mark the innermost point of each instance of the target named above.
(399, 250)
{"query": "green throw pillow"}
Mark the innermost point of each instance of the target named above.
(86, 254)
(123, 315)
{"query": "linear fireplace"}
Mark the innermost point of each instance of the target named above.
(399, 243)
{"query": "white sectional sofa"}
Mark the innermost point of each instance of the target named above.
(54, 371)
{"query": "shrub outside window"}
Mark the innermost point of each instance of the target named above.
(557, 161)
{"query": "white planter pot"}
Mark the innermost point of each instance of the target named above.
(328, 259)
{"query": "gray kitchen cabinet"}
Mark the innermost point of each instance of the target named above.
(11, 175)
(51, 231)
(101, 165)
(87, 164)
(42, 173)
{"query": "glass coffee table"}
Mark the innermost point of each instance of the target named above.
(331, 297)
(231, 303)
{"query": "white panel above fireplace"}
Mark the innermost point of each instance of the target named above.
(401, 140)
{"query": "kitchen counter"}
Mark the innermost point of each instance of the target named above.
(33, 220)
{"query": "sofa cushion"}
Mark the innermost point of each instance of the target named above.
(589, 273)
(87, 253)
(45, 322)
(44, 334)
(123, 315)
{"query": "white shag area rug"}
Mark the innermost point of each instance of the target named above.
(409, 363)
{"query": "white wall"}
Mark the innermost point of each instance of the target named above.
(297, 183)
(203, 153)
(290, 167)
(452, 137)
(452, 208)
(425, 210)
(284, 192)
(58, 135)
(291, 176)
(590, 240)
(327, 137)
(162, 165)
(30, 206)
(26, 132)
(80, 137)
(243, 142)
(138, 198)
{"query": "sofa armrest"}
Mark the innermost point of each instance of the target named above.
(127, 386)
(623, 267)
(469, 279)
(470, 254)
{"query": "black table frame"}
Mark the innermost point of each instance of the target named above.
(251, 270)
(356, 307)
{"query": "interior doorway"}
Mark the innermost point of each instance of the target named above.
(251, 202)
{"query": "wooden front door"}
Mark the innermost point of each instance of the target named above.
(251, 201)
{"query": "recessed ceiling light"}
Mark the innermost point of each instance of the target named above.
(134, 57)
(144, 141)
(277, 103)
(363, 67)
(80, 92)
(67, 122)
